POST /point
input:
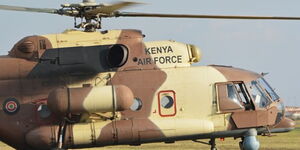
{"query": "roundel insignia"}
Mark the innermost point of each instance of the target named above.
(11, 106)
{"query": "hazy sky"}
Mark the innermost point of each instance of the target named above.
(260, 46)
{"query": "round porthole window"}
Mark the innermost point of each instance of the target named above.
(167, 102)
(137, 104)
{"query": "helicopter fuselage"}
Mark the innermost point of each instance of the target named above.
(80, 89)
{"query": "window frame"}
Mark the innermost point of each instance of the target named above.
(262, 90)
(221, 99)
(172, 94)
(261, 82)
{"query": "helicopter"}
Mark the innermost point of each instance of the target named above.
(93, 88)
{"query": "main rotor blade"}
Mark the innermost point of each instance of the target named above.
(111, 8)
(40, 10)
(134, 14)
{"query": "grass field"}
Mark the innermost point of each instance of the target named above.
(283, 141)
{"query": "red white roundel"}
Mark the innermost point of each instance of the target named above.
(11, 106)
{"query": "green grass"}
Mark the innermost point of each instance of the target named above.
(286, 141)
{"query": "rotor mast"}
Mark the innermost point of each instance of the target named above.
(91, 23)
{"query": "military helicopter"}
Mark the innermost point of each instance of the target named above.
(90, 88)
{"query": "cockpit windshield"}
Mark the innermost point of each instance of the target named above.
(268, 89)
(262, 92)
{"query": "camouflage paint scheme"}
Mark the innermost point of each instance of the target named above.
(90, 101)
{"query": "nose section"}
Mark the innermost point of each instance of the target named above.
(285, 125)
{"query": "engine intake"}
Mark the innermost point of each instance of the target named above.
(117, 55)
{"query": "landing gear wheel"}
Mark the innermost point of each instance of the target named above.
(249, 141)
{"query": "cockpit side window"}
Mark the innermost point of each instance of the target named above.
(233, 96)
(244, 95)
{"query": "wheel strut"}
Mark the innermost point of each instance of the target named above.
(212, 143)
